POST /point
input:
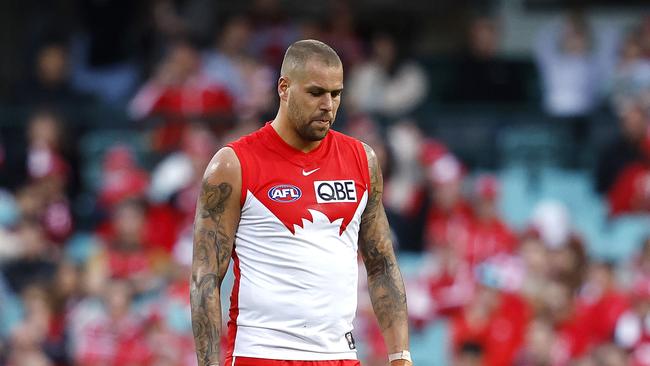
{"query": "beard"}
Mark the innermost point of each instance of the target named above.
(306, 127)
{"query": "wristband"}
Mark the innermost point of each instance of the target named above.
(402, 355)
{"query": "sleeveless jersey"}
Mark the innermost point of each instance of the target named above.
(295, 252)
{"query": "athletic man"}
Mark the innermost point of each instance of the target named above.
(291, 204)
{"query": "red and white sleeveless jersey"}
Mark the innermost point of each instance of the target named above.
(295, 253)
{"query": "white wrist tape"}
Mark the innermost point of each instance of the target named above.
(402, 355)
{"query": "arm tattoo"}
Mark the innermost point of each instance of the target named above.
(384, 278)
(212, 250)
(213, 199)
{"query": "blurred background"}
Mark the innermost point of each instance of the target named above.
(514, 136)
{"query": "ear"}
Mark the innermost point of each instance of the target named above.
(283, 88)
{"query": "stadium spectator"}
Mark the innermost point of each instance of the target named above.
(389, 84)
(37, 261)
(43, 147)
(496, 317)
(489, 235)
(638, 269)
(449, 217)
(342, 34)
(198, 144)
(632, 74)
(49, 177)
(229, 63)
(535, 258)
(629, 191)
(176, 180)
(102, 64)
(273, 32)
(572, 57)
(627, 148)
(110, 332)
(602, 301)
(122, 178)
(568, 321)
(479, 74)
(193, 18)
(178, 92)
(632, 333)
(573, 60)
(49, 84)
(37, 339)
(403, 180)
(128, 253)
(540, 345)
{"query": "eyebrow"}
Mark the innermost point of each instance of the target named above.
(319, 89)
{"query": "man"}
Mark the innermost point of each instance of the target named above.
(291, 204)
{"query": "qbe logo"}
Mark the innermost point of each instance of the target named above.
(285, 193)
(332, 191)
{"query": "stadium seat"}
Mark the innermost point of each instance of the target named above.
(430, 347)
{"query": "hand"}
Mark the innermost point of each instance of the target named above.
(401, 363)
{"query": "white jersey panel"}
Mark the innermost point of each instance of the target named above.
(297, 292)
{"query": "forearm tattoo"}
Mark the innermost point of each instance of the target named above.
(384, 278)
(212, 250)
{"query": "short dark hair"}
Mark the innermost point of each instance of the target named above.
(302, 51)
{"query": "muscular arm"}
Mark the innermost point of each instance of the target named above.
(215, 224)
(384, 278)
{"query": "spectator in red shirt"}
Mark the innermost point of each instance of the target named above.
(449, 218)
(122, 180)
(115, 334)
(178, 92)
(125, 255)
(489, 235)
(631, 190)
(570, 322)
(602, 302)
(497, 317)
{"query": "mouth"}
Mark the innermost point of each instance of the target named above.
(322, 122)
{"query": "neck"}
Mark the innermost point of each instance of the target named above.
(288, 134)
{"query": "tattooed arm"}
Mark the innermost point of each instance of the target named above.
(384, 278)
(215, 224)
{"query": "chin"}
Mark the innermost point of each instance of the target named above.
(314, 134)
(317, 136)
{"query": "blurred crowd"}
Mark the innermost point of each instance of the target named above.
(95, 271)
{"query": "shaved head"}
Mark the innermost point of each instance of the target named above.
(300, 52)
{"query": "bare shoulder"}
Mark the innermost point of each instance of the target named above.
(222, 177)
(370, 153)
(224, 166)
(376, 181)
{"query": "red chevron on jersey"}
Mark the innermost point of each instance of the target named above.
(291, 184)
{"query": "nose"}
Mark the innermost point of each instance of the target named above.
(326, 102)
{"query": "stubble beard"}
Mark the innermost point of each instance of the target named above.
(305, 127)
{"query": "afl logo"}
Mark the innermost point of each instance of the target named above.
(285, 193)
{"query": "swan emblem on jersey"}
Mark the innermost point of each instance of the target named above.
(285, 193)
